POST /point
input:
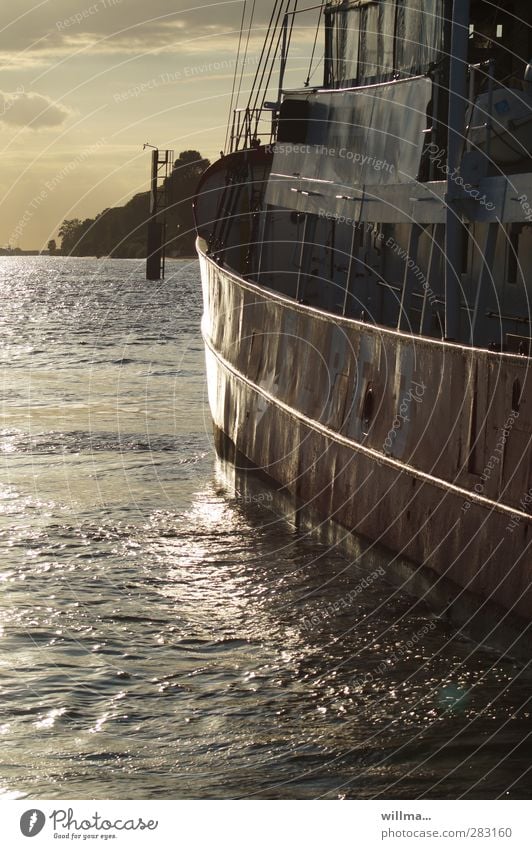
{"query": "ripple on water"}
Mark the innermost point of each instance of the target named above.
(165, 637)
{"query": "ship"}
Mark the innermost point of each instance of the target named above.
(365, 243)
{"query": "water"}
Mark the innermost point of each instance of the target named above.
(165, 637)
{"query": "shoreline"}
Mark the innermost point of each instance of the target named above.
(14, 255)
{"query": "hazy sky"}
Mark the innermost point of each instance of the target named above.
(83, 85)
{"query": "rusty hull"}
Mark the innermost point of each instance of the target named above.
(424, 468)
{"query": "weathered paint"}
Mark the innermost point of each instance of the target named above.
(288, 387)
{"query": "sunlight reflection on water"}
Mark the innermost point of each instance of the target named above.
(155, 623)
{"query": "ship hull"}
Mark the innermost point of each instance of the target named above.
(276, 410)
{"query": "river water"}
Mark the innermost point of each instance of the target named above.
(166, 637)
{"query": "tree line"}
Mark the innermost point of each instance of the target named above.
(122, 231)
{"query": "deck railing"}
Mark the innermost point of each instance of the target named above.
(252, 127)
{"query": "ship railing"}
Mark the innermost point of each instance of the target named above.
(251, 127)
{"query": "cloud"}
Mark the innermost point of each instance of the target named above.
(36, 32)
(29, 109)
(39, 33)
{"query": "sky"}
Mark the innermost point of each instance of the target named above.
(84, 84)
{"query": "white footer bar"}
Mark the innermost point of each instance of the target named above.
(266, 824)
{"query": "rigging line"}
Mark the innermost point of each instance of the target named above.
(258, 110)
(257, 95)
(246, 51)
(285, 15)
(272, 17)
(276, 50)
(235, 75)
(314, 48)
(267, 59)
(289, 40)
(293, 14)
(316, 68)
(260, 64)
(264, 69)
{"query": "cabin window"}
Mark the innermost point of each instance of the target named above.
(338, 45)
(350, 45)
(376, 50)
(373, 41)
(369, 53)
(387, 45)
(419, 34)
(345, 45)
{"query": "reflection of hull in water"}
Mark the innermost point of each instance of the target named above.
(481, 620)
(306, 430)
